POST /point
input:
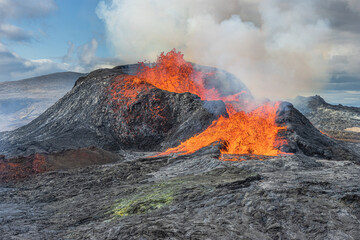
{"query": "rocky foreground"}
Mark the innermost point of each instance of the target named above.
(188, 197)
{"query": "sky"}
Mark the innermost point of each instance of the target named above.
(278, 48)
(44, 36)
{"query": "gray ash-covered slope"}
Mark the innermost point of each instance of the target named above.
(338, 121)
(24, 100)
(88, 116)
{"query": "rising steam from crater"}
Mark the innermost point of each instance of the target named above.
(275, 47)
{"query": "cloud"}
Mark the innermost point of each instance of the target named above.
(354, 4)
(343, 83)
(275, 47)
(349, 98)
(84, 58)
(11, 10)
(20, 9)
(81, 58)
(87, 53)
(70, 53)
(11, 32)
(14, 67)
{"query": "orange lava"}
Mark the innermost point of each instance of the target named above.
(172, 73)
(124, 90)
(243, 133)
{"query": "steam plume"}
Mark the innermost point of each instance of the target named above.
(275, 47)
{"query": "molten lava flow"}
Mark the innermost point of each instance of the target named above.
(243, 133)
(172, 73)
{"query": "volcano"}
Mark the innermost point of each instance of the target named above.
(174, 150)
(172, 106)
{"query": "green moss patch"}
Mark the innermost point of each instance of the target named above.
(154, 196)
(146, 199)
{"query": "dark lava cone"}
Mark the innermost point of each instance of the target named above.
(140, 116)
(147, 118)
(303, 137)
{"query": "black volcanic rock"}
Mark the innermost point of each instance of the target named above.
(338, 121)
(88, 116)
(303, 137)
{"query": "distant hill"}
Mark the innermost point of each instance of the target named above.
(338, 121)
(24, 100)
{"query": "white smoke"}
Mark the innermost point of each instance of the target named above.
(276, 47)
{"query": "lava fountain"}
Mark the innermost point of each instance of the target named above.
(241, 132)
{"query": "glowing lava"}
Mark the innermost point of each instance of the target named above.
(172, 73)
(242, 133)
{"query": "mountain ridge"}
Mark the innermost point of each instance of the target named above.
(23, 100)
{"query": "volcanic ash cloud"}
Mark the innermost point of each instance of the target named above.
(277, 48)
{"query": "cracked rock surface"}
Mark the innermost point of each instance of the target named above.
(187, 197)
